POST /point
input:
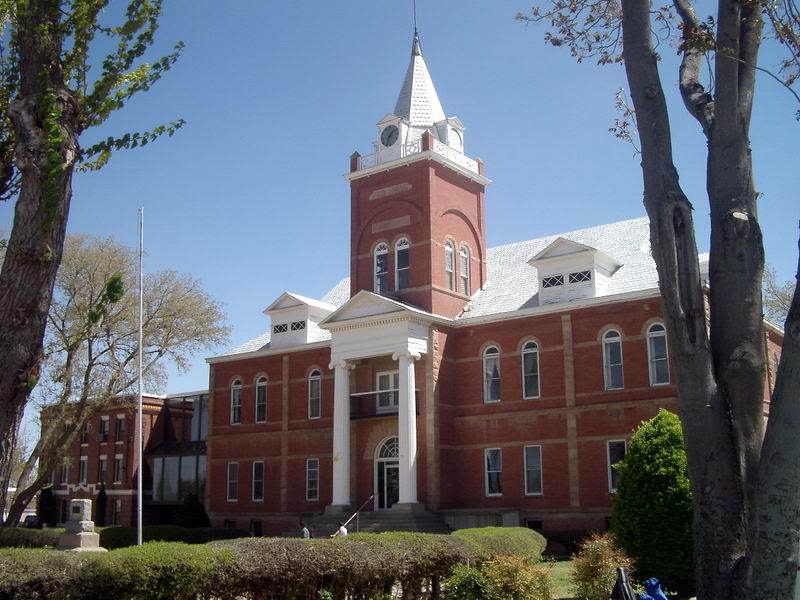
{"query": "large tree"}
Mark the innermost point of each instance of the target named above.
(49, 97)
(745, 477)
(92, 344)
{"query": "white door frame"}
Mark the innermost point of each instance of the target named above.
(378, 459)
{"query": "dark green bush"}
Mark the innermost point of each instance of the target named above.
(467, 583)
(22, 537)
(112, 538)
(490, 542)
(653, 504)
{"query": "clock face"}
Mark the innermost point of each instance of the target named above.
(389, 135)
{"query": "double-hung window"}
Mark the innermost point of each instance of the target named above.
(314, 395)
(612, 360)
(312, 479)
(388, 384)
(381, 285)
(103, 435)
(119, 468)
(616, 450)
(261, 400)
(402, 264)
(530, 370)
(233, 481)
(464, 271)
(258, 481)
(83, 474)
(450, 265)
(102, 469)
(493, 459)
(119, 429)
(236, 402)
(533, 470)
(87, 427)
(491, 375)
(657, 354)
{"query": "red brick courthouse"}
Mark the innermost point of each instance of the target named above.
(488, 385)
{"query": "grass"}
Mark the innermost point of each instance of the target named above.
(560, 571)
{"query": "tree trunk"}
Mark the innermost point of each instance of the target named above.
(45, 121)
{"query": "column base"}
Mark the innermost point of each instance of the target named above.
(409, 508)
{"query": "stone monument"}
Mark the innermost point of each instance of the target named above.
(80, 535)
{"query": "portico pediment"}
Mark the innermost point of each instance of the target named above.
(366, 307)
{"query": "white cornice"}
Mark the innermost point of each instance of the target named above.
(420, 156)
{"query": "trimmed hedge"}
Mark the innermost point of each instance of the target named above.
(22, 537)
(359, 566)
(112, 538)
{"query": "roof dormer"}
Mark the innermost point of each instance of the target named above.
(569, 270)
(295, 320)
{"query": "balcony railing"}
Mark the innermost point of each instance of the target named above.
(415, 147)
(377, 403)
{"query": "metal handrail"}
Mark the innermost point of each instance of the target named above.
(354, 516)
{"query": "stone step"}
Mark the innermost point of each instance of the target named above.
(376, 522)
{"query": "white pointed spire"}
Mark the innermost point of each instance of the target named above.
(418, 102)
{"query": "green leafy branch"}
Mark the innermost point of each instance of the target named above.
(103, 150)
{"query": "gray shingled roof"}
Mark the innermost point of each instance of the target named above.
(513, 283)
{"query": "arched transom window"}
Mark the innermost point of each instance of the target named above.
(612, 360)
(491, 374)
(402, 265)
(530, 370)
(236, 402)
(657, 354)
(389, 449)
(381, 262)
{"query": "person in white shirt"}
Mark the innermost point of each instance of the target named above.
(342, 530)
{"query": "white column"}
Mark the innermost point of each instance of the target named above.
(341, 434)
(407, 428)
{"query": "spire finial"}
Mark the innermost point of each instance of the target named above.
(414, 5)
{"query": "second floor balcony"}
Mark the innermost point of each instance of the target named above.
(377, 403)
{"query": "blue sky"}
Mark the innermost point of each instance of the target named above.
(249, 197)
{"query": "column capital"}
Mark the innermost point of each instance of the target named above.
(412, 356)
(342, 364)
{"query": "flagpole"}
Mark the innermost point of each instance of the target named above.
(139, 444)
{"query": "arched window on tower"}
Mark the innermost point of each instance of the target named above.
(402, 265)
(464, 255)
(657, 354)
(261, 400)
(612, 360)
(381, 285)
(450, 264)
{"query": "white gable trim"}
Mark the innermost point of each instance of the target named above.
(292, 300)
(367, 307)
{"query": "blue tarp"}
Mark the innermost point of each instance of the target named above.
(653, 590)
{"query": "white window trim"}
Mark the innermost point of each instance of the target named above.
(228, 481)
(606, 365)
(486, 394)
(83, 470)
(308, 497)
(450, 273)
(236, 386)
(538, 370)
(386, 409)
(397, 270)
(612, 490)
(486, 471)
(317, 377)
(650, 369)
(541, 469)
(116, 458)
(261, 382)
(463, 257)
(253, 481)
(380, 250)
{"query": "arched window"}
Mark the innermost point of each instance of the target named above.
(381, 269)
(491, 375)
(657, 354)
(261, 400)
(314, 395)
(612, 360)
(236, 402)
(464, 254)
(402, 270)
(450, 265)
(530, 370)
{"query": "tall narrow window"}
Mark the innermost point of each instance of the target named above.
(464, 271)
(83, 473)
(657, 354)
(530, 370)
(103, 435)
(102, 469)
(381, 269)
(449, 265)
(491, 375)
(612, 360)
(236, 402)
(233, 481)
(312, 479)
(65, 472)
(402, 266)
(314, 395)
(87, 427)
(494, 471)
(119, 429)
(119, 468)
(388, 385)
(533, 470)
(616, 452)
(258, 481)
(261, 400)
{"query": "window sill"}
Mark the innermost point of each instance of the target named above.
(664, 384)
(119, 442)
(258, 501)
(229, 500)
(314, 418)
(536, 495)
(492, 401)
(616, 389)
(494, 495)
(260, 422)
(532, 397)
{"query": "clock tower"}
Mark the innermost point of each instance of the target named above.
(417, 212)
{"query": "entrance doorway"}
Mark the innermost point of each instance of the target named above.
(387, 474)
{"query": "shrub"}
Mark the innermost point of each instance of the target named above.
(517, 578)
(32, 574)
(466, 583)
(21, 537)
(112, 538)
(653, 504)
(490, 542)
(595, 567)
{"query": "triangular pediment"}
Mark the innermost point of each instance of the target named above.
(560, 247)
(366, 304)
(291, 300)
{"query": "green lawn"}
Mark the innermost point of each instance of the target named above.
(560, 571)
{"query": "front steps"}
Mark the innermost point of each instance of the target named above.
(409, 517)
